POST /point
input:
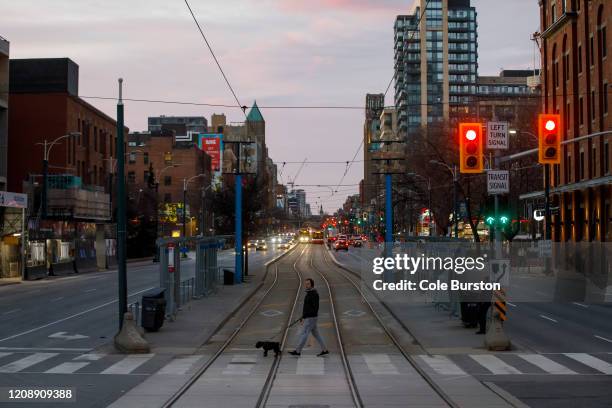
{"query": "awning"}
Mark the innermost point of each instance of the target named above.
(567, 188)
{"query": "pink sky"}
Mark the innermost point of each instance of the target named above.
(280, 52)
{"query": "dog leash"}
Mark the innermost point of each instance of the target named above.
(288, 327)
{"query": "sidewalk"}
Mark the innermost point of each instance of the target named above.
(181, 340)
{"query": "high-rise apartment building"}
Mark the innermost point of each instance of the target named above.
(436, 63)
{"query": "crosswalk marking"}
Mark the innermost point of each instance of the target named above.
(380, 364)
(179, 365)
(442, 365)
(241, 364)
(66, 368)
(593, 362)
(2, 354)
(546, 364)
(310, 365)
(26, 362)
(128, 364)
(89, 357)
(494, 364)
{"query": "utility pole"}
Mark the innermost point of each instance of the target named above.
(455, 209)
(121, 210)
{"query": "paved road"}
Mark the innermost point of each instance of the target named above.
(565, 349)
(49, 330)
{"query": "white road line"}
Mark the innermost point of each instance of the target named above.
(44, 349)
(90, 357)
(580, 304)
(11, 311)
(588, 360)
(511, 304)
(128, 364)
(546, 364)
(442, 365)
(4, 354)
(380, 364)
(57, 299)
(494, 364)
(241, 364)
(548, 318)
(310, 365)
(71, 316)
(26, 362)
(603, 338)
(66, 368)
(180, 365)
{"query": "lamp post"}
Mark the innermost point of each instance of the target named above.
(47, 146)
(453, 172)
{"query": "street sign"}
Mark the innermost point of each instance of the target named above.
(13, 200)
(497, 135)
(500, 272)
(498, 182)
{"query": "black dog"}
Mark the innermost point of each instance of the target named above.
(269, 345)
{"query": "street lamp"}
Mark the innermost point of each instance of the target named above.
(46, 151)
(453, 172)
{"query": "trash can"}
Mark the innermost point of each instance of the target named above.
(153, 309)
(228, 277)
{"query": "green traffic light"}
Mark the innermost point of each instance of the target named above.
(490, 220)
(504, 219)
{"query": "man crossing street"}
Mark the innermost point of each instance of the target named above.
(309, 320)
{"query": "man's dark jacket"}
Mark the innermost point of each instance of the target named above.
(311, 304)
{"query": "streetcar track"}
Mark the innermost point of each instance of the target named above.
(224, 347)
(393, 339)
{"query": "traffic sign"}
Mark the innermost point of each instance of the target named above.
(498, 182)
(500, 272)
(497, 135)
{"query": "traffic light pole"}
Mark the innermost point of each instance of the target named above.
(455, 210)
(548, 233)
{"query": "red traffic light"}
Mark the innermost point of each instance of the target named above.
(471, 148)
(549, 139)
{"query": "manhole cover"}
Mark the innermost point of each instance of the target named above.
(271, 313)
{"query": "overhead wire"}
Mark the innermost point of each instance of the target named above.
(242, 107)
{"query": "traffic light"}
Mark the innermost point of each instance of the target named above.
(504, 220)
(490, 220)
(549, 139)
(471, 148)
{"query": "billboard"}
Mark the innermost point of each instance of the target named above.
(212, 145)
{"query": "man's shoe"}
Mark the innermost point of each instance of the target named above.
(321, 354)
(295, 353)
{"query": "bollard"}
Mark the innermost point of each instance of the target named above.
(496, 339)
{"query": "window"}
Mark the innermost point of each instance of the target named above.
(131, 177)
(606, 158)
(95, 139)
(580, 59)
(568, 169)
(167, 180)
(581, 113)
(582, 165)
(145, 177)
(578, 5)
(132, 157)
(145, 158)
(592, 51)
(604, 42)
(567, 67)
(553, 13)
(593, 162)
(592, 105)
(605, 98)
(167, 198)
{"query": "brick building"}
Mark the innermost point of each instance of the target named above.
(172, 161)
(576, 73)
(43, 95)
